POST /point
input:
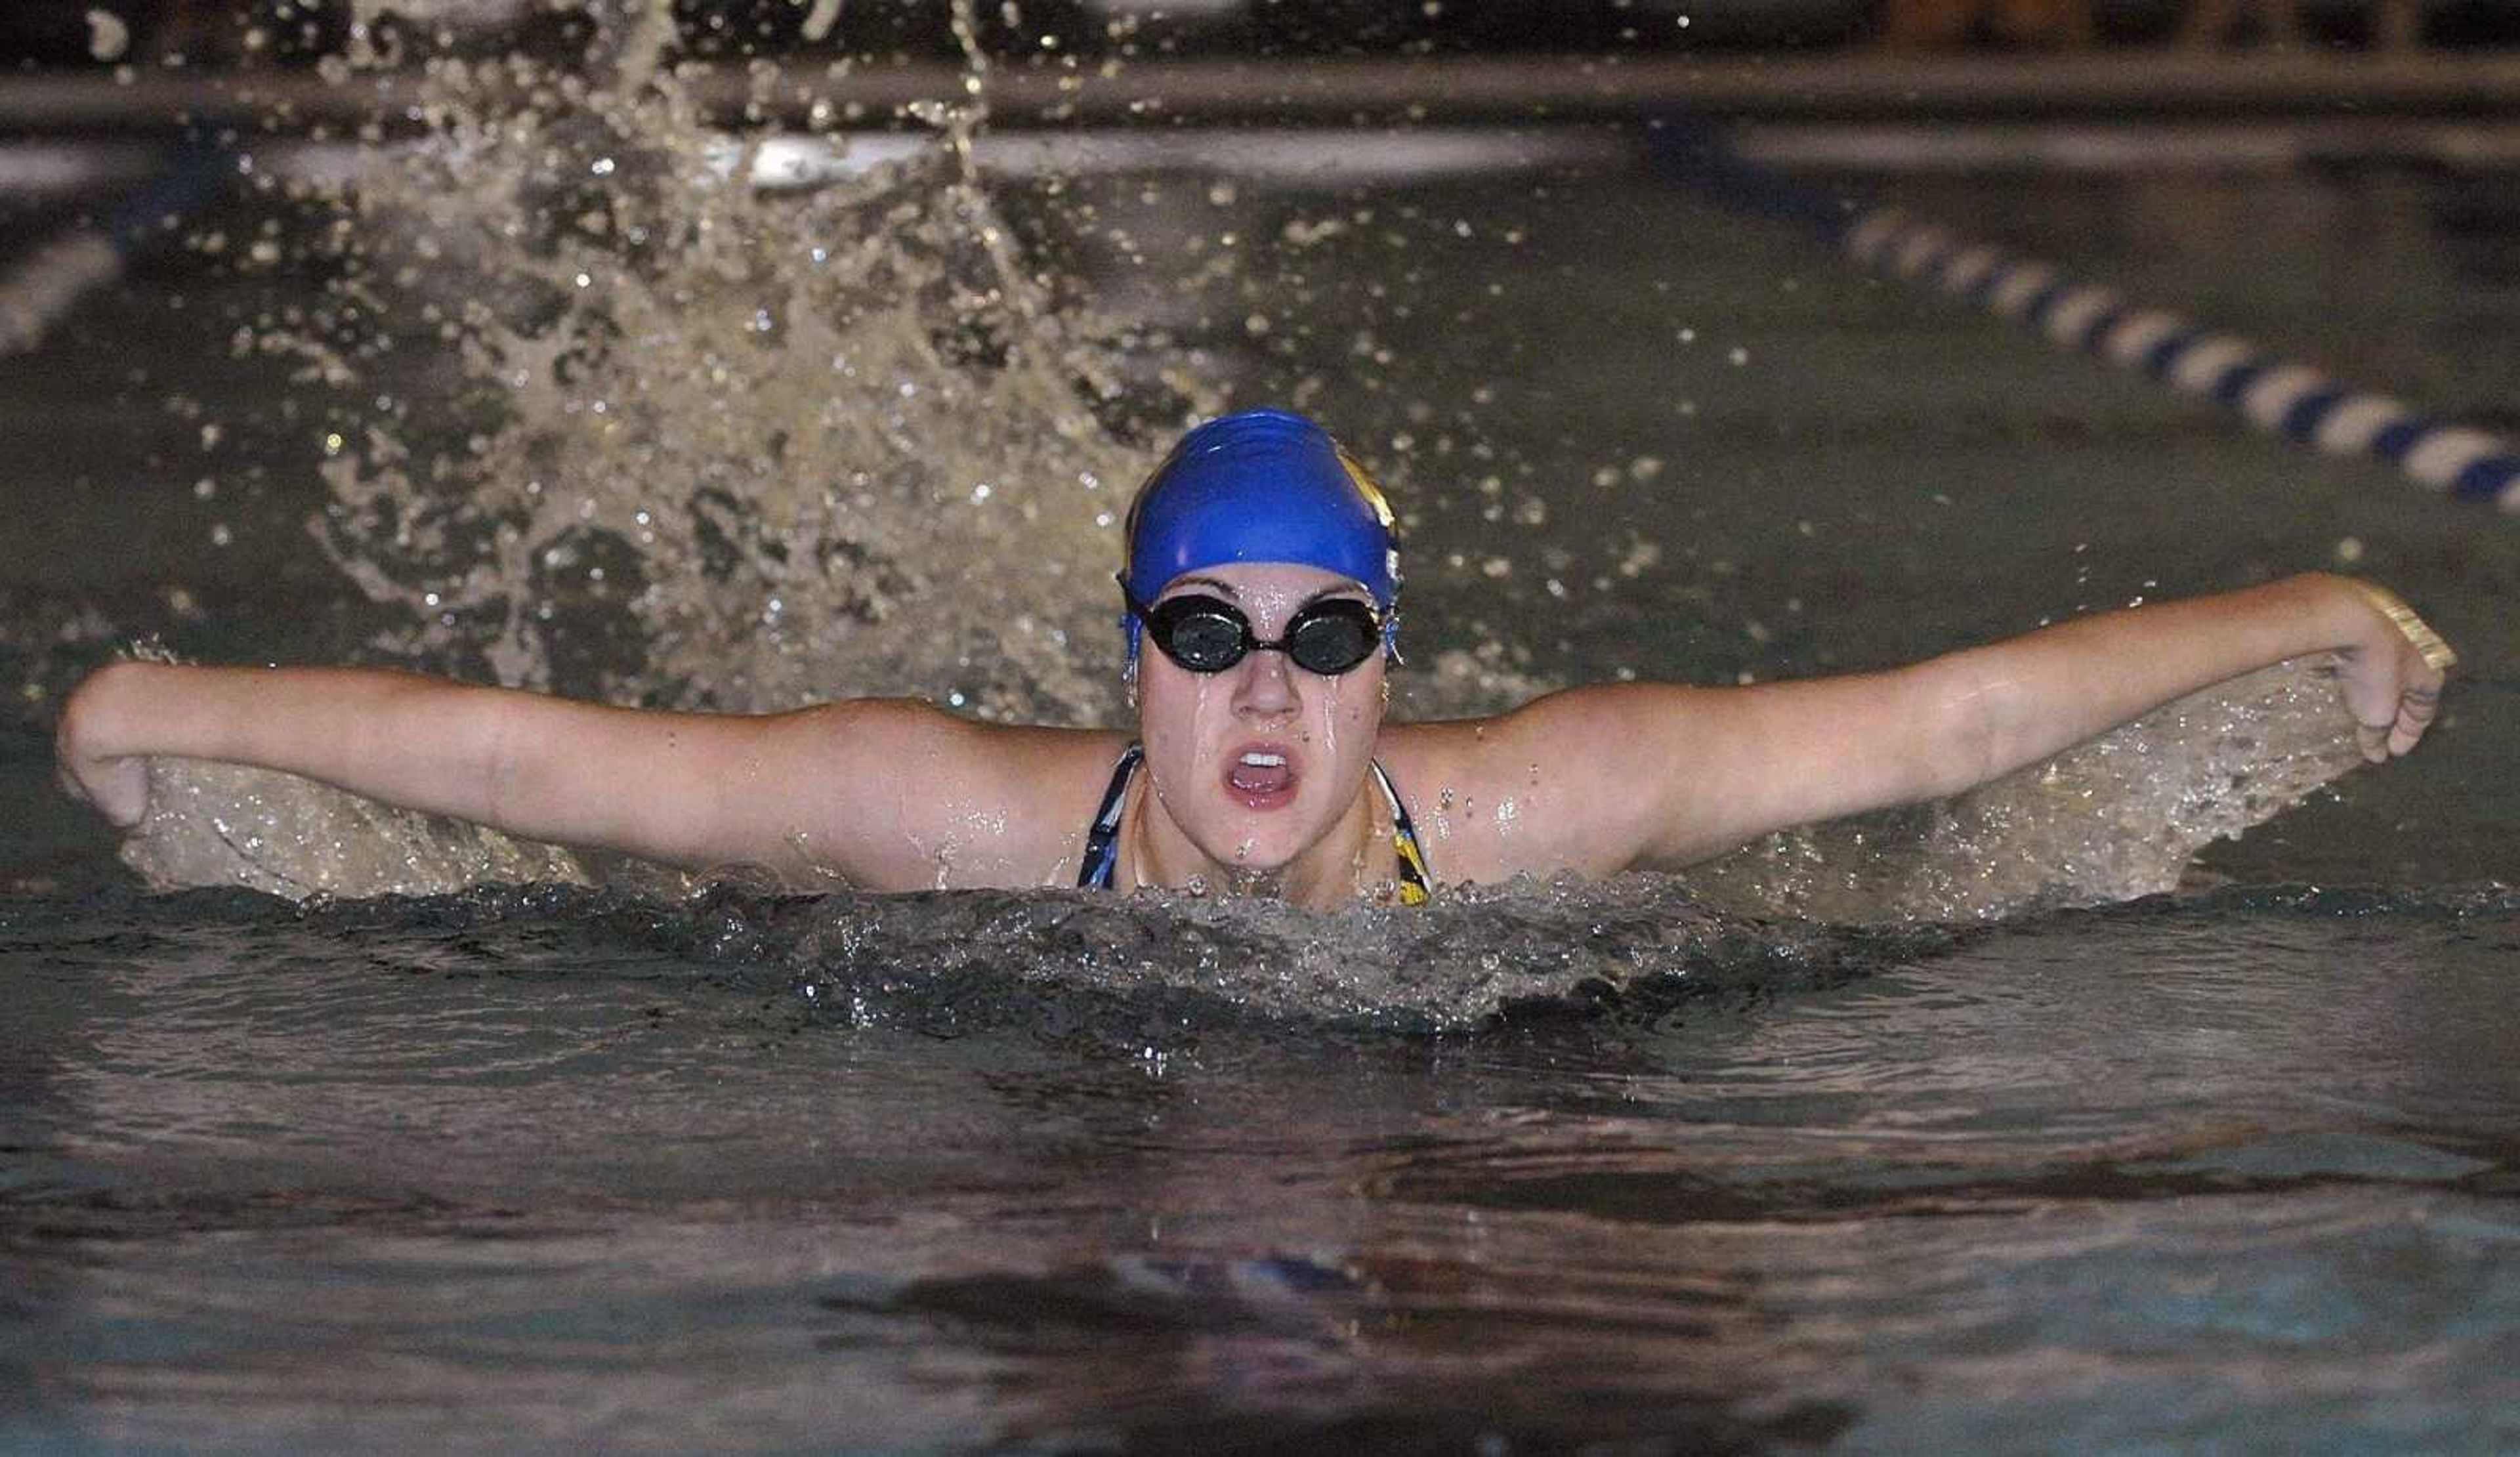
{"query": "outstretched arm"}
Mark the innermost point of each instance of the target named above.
(1668, 775)
(810, 794)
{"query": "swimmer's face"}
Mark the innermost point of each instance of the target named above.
(1257, 763)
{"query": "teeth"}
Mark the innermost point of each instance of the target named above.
(1265, 760)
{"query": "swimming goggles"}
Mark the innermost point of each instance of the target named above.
(1208, 635)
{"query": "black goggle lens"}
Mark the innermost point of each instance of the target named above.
(1332, 637)
(1204, 640)
(1208, 636)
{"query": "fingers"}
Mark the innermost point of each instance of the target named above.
(2396, 689)
(117, 789)
(2374, 740)
(2416, 708)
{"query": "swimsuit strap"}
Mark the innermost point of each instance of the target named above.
(1416, 882)
(1102, 839)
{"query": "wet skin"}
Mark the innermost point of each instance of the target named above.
(1257, 777)
(1217, 807)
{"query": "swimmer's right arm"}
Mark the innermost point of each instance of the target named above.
(811, 793)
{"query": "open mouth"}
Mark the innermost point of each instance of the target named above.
(1262, 776)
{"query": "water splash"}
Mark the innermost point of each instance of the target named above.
(1451, 967)
(1120, 971)
(763, 448)
(613, 419)
(221, 825)
(2116, 818)
(628, 425)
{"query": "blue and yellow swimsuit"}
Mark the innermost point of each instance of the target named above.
(1102, 841)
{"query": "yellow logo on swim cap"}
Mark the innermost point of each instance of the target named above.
(1372, 495)
(1366, 487)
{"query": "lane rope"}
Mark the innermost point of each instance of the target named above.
(2278, 395)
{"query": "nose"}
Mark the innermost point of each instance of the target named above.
(1264, 684)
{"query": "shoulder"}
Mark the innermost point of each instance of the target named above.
(1575, 781)
(943, 802)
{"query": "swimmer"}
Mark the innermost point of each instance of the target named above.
(1260, 612)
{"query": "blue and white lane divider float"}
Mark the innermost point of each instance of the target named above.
(2290, 399)
(42, 289)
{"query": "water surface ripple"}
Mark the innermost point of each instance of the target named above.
(576, 1153)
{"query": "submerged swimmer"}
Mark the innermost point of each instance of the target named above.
(1262, 569)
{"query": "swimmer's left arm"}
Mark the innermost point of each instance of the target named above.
(1662, 774)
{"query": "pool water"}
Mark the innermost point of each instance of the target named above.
(1549, 1166)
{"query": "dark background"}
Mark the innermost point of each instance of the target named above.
(39, 35)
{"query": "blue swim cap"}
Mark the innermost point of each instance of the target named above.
(1262, 485)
